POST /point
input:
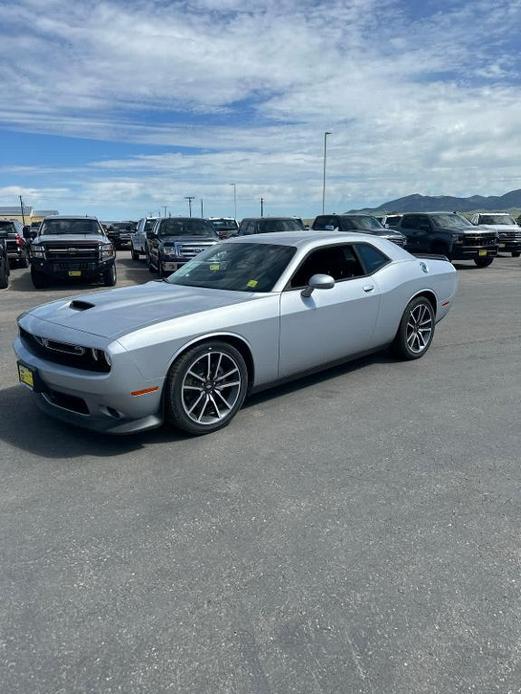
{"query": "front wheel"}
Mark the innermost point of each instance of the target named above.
(110, 276)
(516, 254)
(4, 275)
(38, 279)
(206, 387)
(135, 255)
(416, 329)
(483, 262)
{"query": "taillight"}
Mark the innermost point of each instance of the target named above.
(20, 242)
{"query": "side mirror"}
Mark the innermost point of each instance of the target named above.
(150, 235)
(318, 282)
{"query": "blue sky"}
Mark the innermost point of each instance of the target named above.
(117, 108)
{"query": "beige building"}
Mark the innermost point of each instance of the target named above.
(29, 215)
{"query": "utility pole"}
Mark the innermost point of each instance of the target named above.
(324, 177)
(164, 207)
(262, 207)
(234, 200)
(202, 208)
(190, 198)
(22, 209)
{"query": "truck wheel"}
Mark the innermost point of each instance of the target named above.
(483, 262)
(23, 262)
(206, 387)
(135, 255)
(38, 279)
(516, 254)
(416, 329)
(4, 277)
(110, 276)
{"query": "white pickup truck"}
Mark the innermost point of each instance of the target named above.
(138, 240)
(509, 233)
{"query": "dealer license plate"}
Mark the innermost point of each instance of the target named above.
(482, 253)
(74, 273)
(26, 376)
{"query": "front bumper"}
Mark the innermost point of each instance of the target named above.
(472, 252)
(510, 246)
(61, 269)
(97, 401)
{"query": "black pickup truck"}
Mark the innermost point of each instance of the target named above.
(176, 240)
(448, 234)
(4, 265)
(72, 247)
(16, 246)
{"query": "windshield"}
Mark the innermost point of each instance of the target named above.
(450, 221)
(361, 223)
(269, 225)
(123, 226)
(225, 224)
(186, 227)
(502, 219)
(7, 228)
(239, 267)
(70, 226)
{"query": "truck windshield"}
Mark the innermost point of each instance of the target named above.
(239, 267)
(225, 224)
(187, 227)
(6, 228)
(450, 221)
(69, 226)
(269, 225)
(361, 223)
(502, 219)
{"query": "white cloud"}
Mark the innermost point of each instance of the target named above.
(427, 104)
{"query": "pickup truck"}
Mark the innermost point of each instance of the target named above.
(448, 234)
(138, 242)
(16, 246)
(365, 223)
(72, 247)
(509, 233)
(176, 240)
(4, 265)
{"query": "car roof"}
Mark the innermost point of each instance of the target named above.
(72, 216)
(183, 219)
(434, 212)
(253, 219)
(302, 238)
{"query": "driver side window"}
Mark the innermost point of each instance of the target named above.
(340, 262)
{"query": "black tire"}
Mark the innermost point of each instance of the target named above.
(212, 394)
(135, 255)
(38, 279)
(407, 347)
(110, 276)
(4, 276)
(151, 268)
(516, 254)
(483, 262)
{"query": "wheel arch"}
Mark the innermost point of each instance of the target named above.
(231, 338)
(428, 294)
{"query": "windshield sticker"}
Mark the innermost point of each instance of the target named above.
(215, 267)
(252, 283)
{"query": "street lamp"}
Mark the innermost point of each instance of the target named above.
(324, 178)
(234, 200)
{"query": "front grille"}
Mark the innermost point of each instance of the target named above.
(72, 253)
(190, 250)
(65, 353)
(480, 240)
(510, 235)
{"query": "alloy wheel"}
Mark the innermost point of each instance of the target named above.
(419, 328)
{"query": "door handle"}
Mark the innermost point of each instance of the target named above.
(368, 288)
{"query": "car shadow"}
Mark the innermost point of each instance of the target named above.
(135, 271)
(25, 427)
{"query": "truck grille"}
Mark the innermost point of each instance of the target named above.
(190, 250)
(75, 253)
(510, 235)
(65, 353)
(480, 240)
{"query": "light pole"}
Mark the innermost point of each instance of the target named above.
(22, 209)
(202, 208)
(324, 177)
(262, 207)
(190, 198)
(164, 207)
(234, 200)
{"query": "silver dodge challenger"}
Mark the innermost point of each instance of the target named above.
(241, 316)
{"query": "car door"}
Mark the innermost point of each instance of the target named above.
(331, 323)
(417, 230)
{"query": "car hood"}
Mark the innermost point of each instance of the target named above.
(117, 312)
(500, 227)
(187, 239)
(67, 238)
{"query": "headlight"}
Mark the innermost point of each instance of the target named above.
(171, 252)
(107, 251)
(459, 239)
(101, 357)
(38, 251)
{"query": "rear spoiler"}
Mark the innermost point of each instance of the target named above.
(431, 256)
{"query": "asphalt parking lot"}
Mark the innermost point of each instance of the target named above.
(355, 531)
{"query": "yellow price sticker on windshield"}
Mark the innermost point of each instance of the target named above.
(215, 267)
(252, 283)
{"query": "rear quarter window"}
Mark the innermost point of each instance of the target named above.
(372, 259)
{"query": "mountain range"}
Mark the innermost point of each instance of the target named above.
(428, 203)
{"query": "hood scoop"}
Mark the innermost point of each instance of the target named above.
(79, 305)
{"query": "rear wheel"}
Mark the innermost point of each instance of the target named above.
(38, 279)
(110, 276)
(416, 329)
(206, 387)
(4, 275)
(483, 262)
(135, 254)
